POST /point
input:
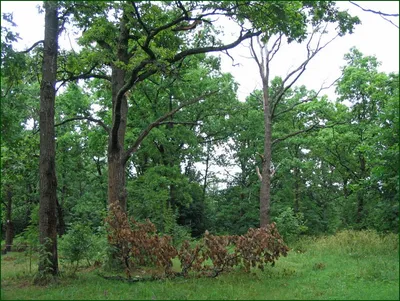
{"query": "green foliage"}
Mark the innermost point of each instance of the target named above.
(290, 224)
(80, 243)
(360, 243)
(45, 275)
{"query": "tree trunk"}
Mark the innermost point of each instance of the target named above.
(116, 165)
(360, 192)
(9, 223)
(296, 207)
(47, 166)
(265, 188)
(60, 218)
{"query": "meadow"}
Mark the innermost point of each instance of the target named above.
(351, 265)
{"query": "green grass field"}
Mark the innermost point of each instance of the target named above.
(348, 266)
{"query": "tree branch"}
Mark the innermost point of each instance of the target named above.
(298, 71)
(33, 46)
(315, 126)
(100, 122)
(258, 173)
(155, 123)
(139, 18)
(374, 11)
(193, 51)
(305, 100)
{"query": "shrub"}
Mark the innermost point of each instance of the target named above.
(79, 244)
(291, 225)
(138, 244)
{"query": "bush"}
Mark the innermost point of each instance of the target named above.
(138, 244)
(80, 243)
(291, 225)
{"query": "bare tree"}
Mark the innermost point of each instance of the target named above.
(271, 101)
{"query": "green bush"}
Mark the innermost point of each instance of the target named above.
(290, 224)
(80, 243)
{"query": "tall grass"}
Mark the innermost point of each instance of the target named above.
(350, 242)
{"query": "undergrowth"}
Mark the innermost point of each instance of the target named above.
(315, 269)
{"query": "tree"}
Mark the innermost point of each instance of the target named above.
(47, 169)
(367, 139)
(150, 40)
(321, 15)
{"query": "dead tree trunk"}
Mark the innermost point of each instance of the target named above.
(265, 188)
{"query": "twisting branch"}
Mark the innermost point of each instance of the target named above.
(157, 122)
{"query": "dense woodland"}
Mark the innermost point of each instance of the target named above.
(144, 117)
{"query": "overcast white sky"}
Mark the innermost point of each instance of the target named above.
(375, 36)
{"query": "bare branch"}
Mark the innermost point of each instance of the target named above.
(311, 128)
(374, 11)
(33, 46)
(298, 72)
(293, 106)
(233, 60)
(390, 21)
(258, 173)
(276, 44)
(305, 100)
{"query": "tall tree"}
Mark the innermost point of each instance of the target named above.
(320, 15)
(47, 169)
(146, 38)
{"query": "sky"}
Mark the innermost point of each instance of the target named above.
(375, 36)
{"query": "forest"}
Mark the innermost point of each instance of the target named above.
(115, 152)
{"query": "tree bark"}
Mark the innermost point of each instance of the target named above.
(60, 217)
(116, 162)
(47, 167)
(265, 188)
(360, 192)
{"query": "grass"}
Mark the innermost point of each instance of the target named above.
(348, 266)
